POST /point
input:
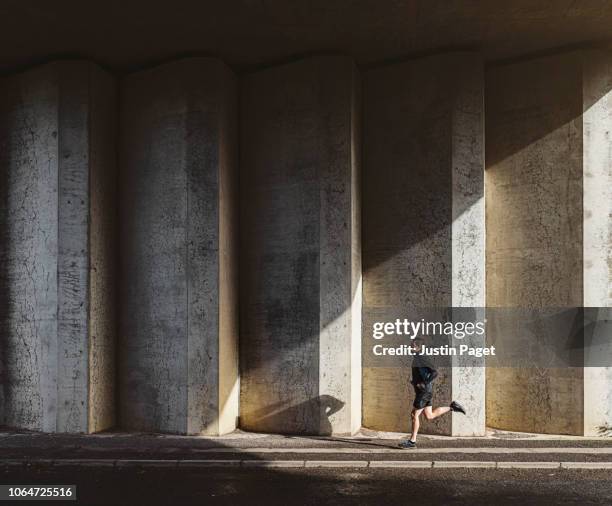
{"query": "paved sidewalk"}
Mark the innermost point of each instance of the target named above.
(240, 449)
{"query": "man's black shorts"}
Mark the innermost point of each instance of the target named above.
(422, 397)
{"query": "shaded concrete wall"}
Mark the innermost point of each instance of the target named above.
(300, 263)
(548, 224)
(178, 356)
(103, 251)
(423, 221)
(52, 120)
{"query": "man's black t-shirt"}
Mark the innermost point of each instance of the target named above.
(423, 372)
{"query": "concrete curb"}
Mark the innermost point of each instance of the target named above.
(254, 464)
(81, 462)
(273, 463)
(586, 465)
(529, 465)
(239, 452)
(209, 463)
(460, 464)
(336, 463)
(415, 451)
(400, 463)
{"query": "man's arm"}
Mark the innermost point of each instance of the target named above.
(428, 374)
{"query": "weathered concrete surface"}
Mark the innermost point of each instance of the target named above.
(548, 225)
(57, 135)
(300, 247)
(178, 321)
(248, 33)
(597, 223)
(103, 249)
(423, 227)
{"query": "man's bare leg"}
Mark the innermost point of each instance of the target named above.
(431, 413)
(416, 423)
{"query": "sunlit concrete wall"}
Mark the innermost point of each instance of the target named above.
(178, 298)
(300, 248)
(548, 180)
(423, 222)
(548, 239)
(57, 167)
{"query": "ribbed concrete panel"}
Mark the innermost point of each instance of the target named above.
(57, 134)
(597, 227)
(178, 321)
(300, 264)
(548, 185)
(423, 222)
(103, 249)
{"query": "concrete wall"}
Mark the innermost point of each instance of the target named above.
(178, 340)
(597, 224)
(423, 221)
(534, 225)
(548, 223)
(548, 239)
(103, 251)
(57, 135)
(300, 263)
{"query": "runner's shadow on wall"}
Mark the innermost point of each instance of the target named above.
(300, 416)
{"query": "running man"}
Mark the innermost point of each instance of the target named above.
(423, 376)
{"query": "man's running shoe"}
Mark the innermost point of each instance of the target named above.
(407, 444)
(455, 406)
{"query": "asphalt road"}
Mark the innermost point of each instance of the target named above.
(235, 487)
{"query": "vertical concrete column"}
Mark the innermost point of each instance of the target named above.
(57, 269)
(597, 227)
(300, 246)
(549, 201)
(178, 319)
(423, 222)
